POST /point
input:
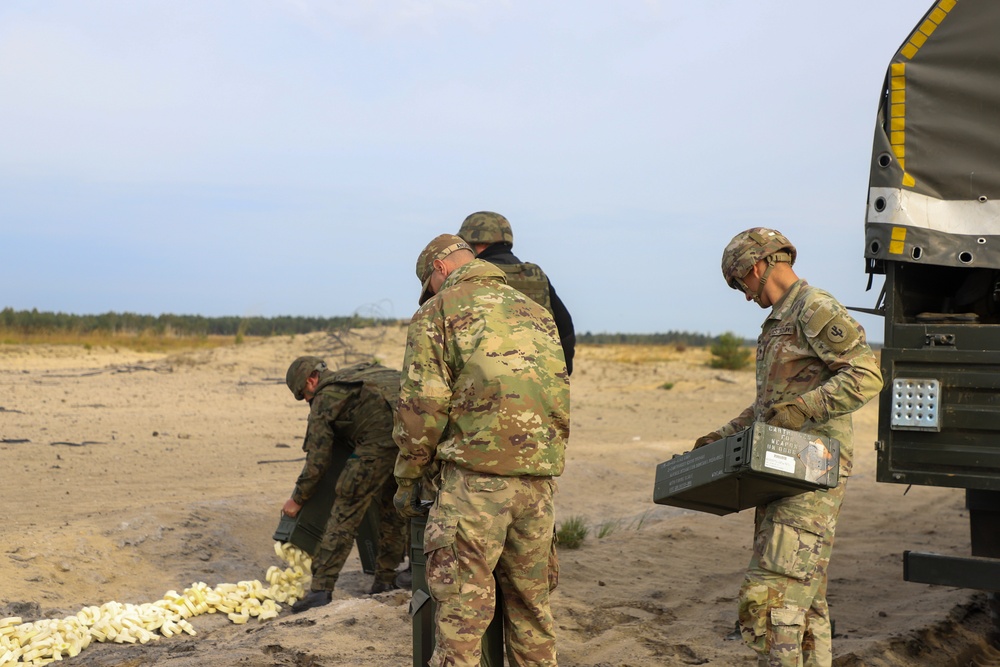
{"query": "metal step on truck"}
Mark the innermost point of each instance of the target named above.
(932, 229)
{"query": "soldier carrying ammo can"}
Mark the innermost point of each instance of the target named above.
(814, 369)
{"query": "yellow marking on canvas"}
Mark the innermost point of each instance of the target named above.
(897, 87)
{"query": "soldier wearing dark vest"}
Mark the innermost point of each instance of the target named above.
(491, 237)
(352, 407)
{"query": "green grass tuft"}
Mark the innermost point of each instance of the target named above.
(571, 532)
(607, 527)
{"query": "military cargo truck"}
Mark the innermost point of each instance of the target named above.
(933, 230)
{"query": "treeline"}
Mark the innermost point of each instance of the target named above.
(684, 338)
(33, 321)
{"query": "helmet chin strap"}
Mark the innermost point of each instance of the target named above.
(771, 261)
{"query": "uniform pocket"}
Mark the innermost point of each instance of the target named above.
(788, 626)
(788, 616)
(486, 483)
(442, 563)
(791, 551)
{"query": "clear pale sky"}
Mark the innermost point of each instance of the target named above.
(292, 157)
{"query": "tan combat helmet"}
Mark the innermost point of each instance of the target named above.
(486, 227)
(299, 372)
(749, 247)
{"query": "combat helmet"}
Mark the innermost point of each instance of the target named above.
(486, 227)
(749, 247)
(299, 372)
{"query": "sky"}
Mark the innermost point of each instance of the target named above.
(292, 157)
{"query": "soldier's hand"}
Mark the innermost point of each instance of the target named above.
(705, 439)
(405, 498)
(790, 415)
(291, 508)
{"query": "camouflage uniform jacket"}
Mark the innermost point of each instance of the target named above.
(353, 407)
(811, 348)
(484, 382)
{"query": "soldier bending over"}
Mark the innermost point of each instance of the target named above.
(351, 407)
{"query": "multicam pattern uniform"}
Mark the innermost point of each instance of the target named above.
(485, 395)
(353, 407)
(809, 348)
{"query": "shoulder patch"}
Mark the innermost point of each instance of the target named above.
(829, 324)
(840, 334)
(816, 317)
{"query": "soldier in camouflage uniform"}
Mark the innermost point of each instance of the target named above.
(814, 369)
(351, 407)
(492, 239)
(485, 401)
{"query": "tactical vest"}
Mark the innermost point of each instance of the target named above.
(529, 280)
(367, 422)
(377, 379)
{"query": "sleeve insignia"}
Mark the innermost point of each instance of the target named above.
(840, 334)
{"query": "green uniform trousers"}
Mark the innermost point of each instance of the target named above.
(364, 480)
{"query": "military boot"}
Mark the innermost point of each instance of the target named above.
(313, 599)
(404, 579)
(383, 586)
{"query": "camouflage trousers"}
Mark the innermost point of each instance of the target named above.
(783, 613)
(364, 480)
(478, 524)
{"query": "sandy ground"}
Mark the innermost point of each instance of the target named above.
(125, 475)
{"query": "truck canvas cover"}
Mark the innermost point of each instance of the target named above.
(934, 190)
